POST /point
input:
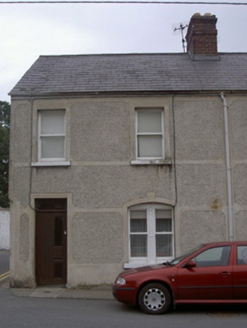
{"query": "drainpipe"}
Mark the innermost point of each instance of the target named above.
(228, 167)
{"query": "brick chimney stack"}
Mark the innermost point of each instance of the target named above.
(202, 37)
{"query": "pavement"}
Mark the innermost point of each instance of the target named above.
(96, 293)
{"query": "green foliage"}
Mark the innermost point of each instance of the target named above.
(4, 152)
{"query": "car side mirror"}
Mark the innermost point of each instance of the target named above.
(190, 264)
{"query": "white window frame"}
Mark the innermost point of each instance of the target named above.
(40, 136)
(162, 134)
(151, 234)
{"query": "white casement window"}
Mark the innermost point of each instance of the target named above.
(151, 234)
(51, 135)
(150, 133)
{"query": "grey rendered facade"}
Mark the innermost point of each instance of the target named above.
(101, 176)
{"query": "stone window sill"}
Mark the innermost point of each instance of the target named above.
(45, 164)
(152, 162)
(137, 264)
(130, 265)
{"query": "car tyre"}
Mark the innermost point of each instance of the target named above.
(154, 298)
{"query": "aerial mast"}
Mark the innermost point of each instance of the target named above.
(181, 29)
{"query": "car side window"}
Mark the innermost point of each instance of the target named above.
(216, 256)
(242, 254)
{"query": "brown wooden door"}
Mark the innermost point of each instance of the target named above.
(51, 247)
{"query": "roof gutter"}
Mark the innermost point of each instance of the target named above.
(228, 167)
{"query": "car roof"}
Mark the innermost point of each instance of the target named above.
(225, 243)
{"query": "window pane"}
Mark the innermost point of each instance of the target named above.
(149, 120)
(138, 214)
(52, 147)
(52, 122)
(51, 204)
(163, 225)
(163, 214)
(212, 254)
(149, 146)
(163, 245)
(138, 225)
(242, 254)
(217, 256)
(138, 245)
(163, 220)
(138, 221)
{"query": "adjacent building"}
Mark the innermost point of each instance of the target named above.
(4, 229)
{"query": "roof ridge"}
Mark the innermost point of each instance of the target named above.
(137, 54)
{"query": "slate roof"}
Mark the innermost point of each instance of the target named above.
(76, 74)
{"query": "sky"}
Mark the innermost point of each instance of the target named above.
(30, 30)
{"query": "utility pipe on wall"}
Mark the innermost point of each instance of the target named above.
(228, 167)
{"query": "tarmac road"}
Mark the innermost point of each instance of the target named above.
(68, 308)
(4, 266)
(34, 312)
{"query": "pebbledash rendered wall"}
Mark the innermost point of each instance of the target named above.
(4, 229)
(101, 183)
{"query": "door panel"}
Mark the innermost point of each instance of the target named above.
(205, 283)
(211, 279)
(240, 273)
(51, 247)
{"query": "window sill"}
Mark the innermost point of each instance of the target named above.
(151, 162)
(133, 265)
(42, 164)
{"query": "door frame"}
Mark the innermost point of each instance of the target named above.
(54, 253)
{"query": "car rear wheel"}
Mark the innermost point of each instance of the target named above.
(154, 299)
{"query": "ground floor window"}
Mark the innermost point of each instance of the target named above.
(151, 234)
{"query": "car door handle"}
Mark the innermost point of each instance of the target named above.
(225, 274)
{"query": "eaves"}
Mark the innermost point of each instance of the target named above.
(108, 94)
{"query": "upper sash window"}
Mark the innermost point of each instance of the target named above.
(51, 143)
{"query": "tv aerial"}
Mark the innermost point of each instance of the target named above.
(181, 29)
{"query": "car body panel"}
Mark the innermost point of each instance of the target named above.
(138, 278)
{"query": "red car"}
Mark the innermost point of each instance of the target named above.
(211, 273)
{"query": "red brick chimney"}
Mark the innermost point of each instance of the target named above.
(202, 37)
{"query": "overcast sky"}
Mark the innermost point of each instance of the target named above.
(30, 30)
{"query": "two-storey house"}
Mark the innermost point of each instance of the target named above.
(122, 160)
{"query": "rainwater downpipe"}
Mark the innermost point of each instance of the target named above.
(228, 167)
